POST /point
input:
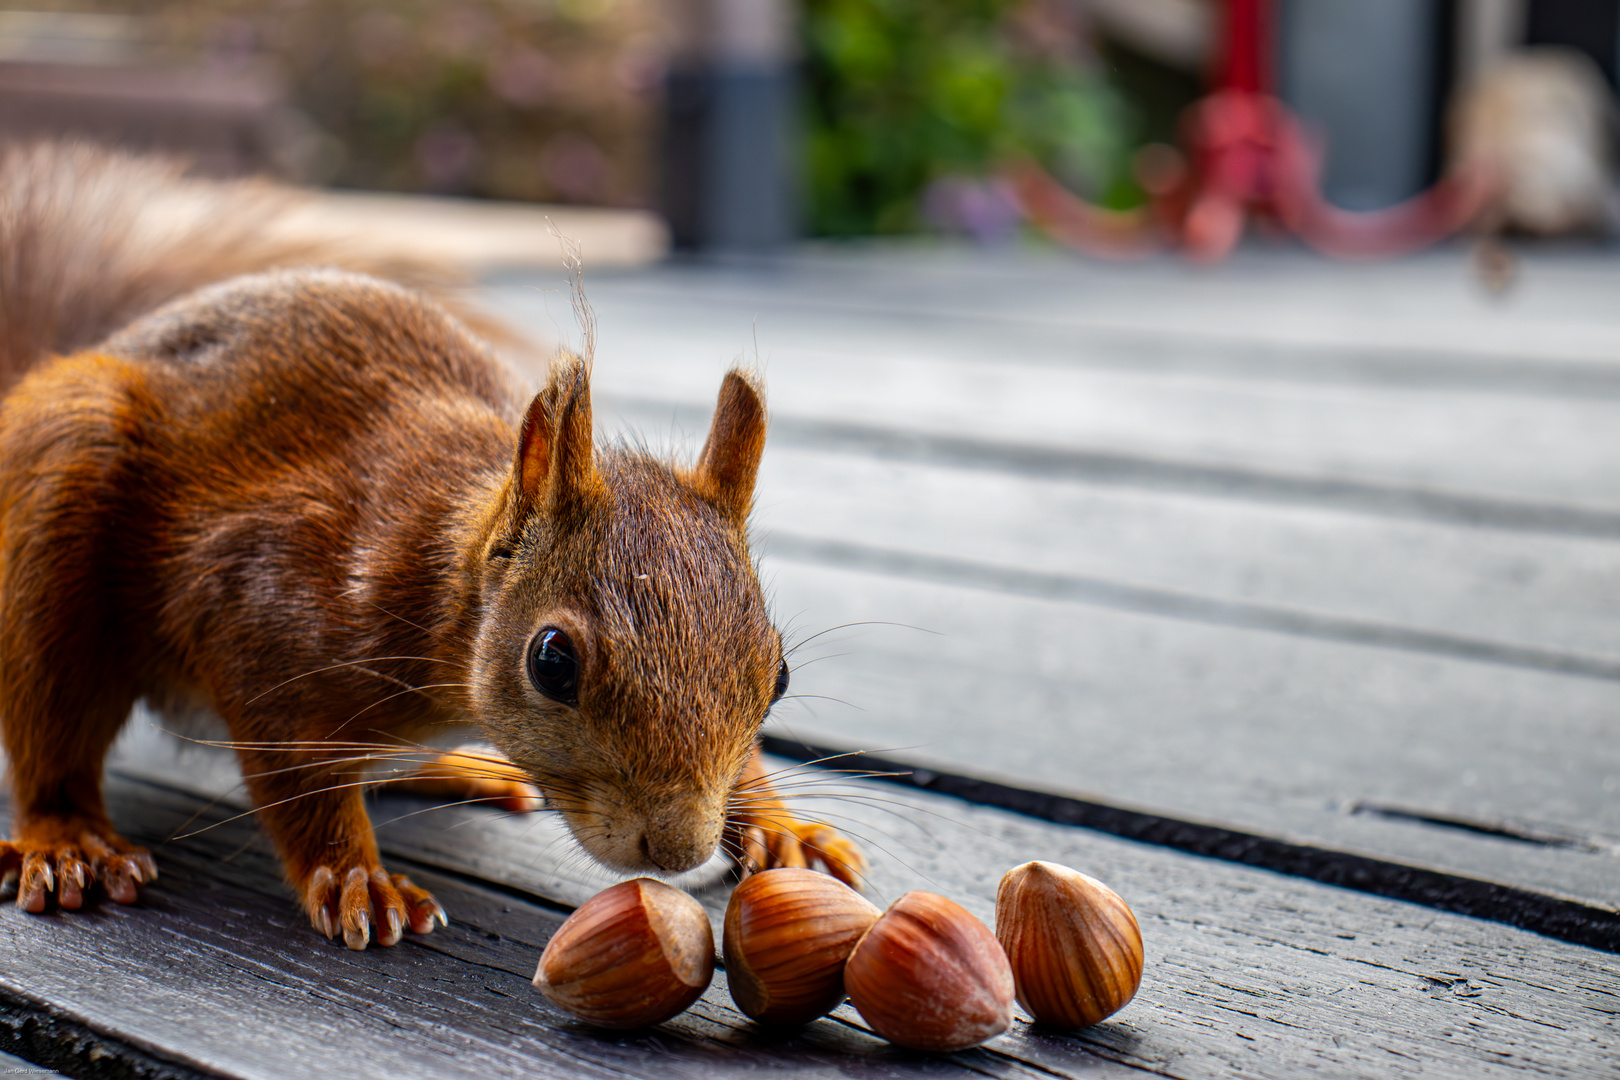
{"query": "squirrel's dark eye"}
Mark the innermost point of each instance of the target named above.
(554, 667)
(781, 683)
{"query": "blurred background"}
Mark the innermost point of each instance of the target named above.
(749, 123)
(1112, 447)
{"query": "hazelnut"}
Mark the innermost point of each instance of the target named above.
(1075, 948)
(787, 934)
(930, 976)
(632, 955)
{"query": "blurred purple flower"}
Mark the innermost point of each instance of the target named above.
(986, 210)
(521, 76)
(231, 44)
(639, 67)
(574, 167)
(381, 38)
(447, 156)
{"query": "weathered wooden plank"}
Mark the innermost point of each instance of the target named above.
(896, 367)
(1539, 912)
(1249, 973)
(1196, 721)
(1267, 732)
(1549, 591)
(148, 752)
(218, 973)
(634, 418)
(1269, 315)
(560, 873)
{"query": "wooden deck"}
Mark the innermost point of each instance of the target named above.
(1284, 597)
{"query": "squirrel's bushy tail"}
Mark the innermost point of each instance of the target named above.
(91, 239)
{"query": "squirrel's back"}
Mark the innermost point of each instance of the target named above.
(91, 239)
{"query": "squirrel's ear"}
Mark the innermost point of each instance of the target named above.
(730, 459)
(554, 466)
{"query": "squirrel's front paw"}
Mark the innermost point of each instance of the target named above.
(354, 899)
(66, 857)
(791, 842)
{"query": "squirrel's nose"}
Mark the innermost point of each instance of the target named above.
(675, 850)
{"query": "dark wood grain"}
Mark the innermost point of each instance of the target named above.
(1249, 973)
(217, 973)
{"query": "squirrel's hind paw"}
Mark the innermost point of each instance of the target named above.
(364, 898)
(66, 859)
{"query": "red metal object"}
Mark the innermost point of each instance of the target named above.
(1244, 157)
(1246, 60)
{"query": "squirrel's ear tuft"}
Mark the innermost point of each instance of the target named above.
(730, 459)
(555, 468)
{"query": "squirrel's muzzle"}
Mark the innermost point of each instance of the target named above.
(671, 837)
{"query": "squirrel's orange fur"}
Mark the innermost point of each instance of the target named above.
(311, 501)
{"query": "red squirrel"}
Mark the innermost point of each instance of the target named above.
(313, 502)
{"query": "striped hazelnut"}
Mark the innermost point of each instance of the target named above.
(787, 934)
(1075, 947)
(632, 955)
(930, 976)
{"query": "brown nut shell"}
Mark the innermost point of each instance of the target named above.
(930, 976)
(1074, 945)
(787, 934)
(632, 955)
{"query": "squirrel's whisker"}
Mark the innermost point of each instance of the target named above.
(267, 806)
(823, 697)
(348, 663)
(383, 701)
(445, 806)
(862, 622)
(404, 620)
(883, 805)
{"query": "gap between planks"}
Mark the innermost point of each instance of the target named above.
(1551, 916)
(1178, 604)
(1229, 353)
(1124, 469)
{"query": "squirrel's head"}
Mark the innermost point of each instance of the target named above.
(625, 657)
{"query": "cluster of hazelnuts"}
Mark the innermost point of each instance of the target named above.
(924, 974)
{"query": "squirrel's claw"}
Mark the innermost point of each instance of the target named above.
(73, 878)
(66, 858)
(368, 897)
(421, 905)
(790, 842)
(833, 852)
(765, 834)
(38, 881)
(121, 873)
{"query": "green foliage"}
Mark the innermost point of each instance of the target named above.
(903, 92)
